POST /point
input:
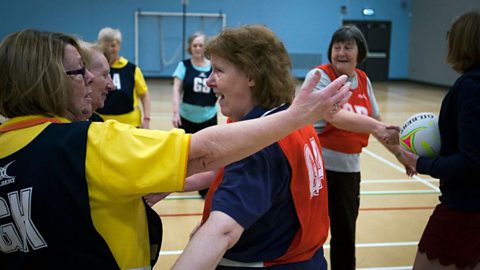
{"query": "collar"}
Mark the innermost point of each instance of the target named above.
(120, 63)
(21, 122)
(258, 111)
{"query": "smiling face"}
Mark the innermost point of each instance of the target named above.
(102, 82)
(233, 88)
(344, 57)
(79, 101)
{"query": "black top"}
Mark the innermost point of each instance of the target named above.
(96, 118)
(195, 89)
(458, 166)
(120, 101)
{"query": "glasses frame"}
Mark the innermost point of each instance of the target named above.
(80, 71)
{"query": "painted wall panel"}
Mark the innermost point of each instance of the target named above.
(305, 26)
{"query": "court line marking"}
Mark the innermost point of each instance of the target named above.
(398, 208)
(326, 246)
(399, 192)
(388, 181)
(385, 244)
(388, 268)
(426, 182)
(364, 193)
(395, 166)
(182, 197)
(361, 245)
(361, 209)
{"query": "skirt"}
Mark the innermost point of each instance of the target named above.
(452, 237)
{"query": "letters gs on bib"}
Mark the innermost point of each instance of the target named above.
(200, 85)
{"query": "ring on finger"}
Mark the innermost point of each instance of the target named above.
(335, 107)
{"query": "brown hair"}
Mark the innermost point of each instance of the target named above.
(32, 76)
(346, 34)
(255, 50)
(464, 42)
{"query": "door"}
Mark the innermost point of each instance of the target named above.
(377, 34)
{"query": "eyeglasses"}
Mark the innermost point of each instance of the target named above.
(80, 71)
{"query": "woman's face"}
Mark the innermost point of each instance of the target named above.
(79, 100)
(197, 46)
(101, 82)
(233, 88)
(113, 48)
(344, 57)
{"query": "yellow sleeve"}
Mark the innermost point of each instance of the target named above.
(140, 84)
(125, 161)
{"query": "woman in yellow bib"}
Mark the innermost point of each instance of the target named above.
(130, 86)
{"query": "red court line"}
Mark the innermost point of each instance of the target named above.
(361, 209)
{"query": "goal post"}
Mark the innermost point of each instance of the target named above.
(158, 37)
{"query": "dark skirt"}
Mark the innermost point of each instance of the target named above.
(452, 237)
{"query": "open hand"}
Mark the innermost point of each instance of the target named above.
(310, 106)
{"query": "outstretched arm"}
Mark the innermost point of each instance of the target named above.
(199, 181)
(216, 146)
(387, 135)
(207, 246)
(354, 122)
(195, 182)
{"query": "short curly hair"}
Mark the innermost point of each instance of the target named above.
(259, 53)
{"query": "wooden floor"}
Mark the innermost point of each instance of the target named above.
(394, 208)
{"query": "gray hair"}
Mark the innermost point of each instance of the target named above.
(87, 49)
(109, 34)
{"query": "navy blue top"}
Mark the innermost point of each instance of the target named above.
(96, 118)
(255, 192)
(458, 166)
(195, 89)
